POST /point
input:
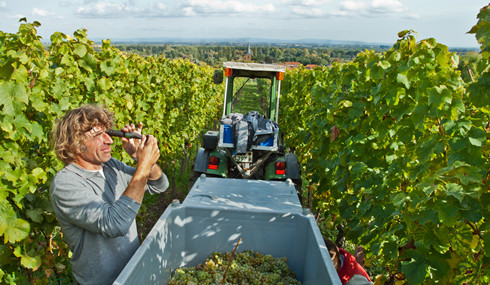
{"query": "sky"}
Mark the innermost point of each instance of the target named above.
(370, 21)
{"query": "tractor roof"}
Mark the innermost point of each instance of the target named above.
(253, 70)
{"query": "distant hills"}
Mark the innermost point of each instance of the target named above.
(246, 41)
(260, 42)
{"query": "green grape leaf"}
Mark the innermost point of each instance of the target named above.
(447, 212)
(105, 83)
(31, 262)
(4, 193)
(17, 230)
(6, 71)
(37, 101)
(21, 121)
(9, 157)
(455, 190)
(80, 50)
(67, 60)
(28, 261)
(390, 249)
(439, 268)
(478, 91)
(38, 173)
(402, 78)
(477, 137)
(358, 167)
(106, 67)
(23, 58)
(65, 103)
(89, 84)
(36, 215)
(418, 116)
(414, 269)
(20, 74)
(384, 64)
(398, 199)
(357, 110)
(6, 214)
(58, 71)
(439, 95)
(5, 255)
(441, 242)
(12, 96)
(37, 131)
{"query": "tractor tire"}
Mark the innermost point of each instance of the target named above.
(193, 178)
(298, 183)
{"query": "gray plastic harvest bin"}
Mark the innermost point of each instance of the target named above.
(215, 214)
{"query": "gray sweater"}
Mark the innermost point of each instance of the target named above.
(97, 221)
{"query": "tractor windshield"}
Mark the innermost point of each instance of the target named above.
(251, 95)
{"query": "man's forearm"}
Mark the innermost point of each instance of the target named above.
(136, 188)
(156, 172)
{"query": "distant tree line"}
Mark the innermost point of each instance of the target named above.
(215, 55)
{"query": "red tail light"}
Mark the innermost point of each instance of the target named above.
(213, 162)
(281, 168)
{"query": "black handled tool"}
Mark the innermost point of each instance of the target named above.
(121, 134)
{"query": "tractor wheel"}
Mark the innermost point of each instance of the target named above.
(299, 190)
(193, 178)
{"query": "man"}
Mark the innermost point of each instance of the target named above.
(349, 270)
(95, 197)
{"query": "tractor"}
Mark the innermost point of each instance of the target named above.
(248, 144)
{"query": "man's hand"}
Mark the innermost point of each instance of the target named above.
(147, 152)
(359, 255)
(131, 145)
(335, 132)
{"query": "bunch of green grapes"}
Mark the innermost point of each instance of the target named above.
(248, 267)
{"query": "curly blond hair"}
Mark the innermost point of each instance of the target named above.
(68, 137)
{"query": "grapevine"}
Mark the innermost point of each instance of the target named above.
(174, 99)
(396, 145)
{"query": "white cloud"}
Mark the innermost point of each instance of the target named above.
(373, 8)
(308, 12)
(193, 8)
(314, 2)
(307, 8)
(386, 6)
(90, 1)
(153, 10)
(104, 10)
(42, 12)
(353, 6)
(218, 7)
(122, 10)
(306, 3)
(189, 12)
(159, 9)
(3, 4)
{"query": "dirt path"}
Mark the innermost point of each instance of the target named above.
(146, 220)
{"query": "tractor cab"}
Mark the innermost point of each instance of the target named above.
(267, 79)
